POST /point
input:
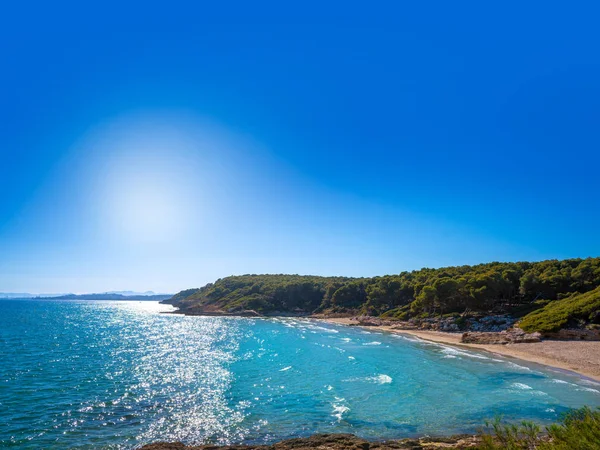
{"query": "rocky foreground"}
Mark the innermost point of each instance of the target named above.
(335, 442)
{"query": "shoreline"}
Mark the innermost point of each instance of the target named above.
(579, 357)
(336, 441)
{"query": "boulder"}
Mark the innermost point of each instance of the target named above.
(369, 321)
(512, 336)
(575, 335)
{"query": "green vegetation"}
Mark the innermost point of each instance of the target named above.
(561, 313)
(264, 293)
(578, 430)
(517, 288)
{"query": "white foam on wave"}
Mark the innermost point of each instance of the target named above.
(449, 356)
(285, 369)
(455, 352)
(521, 386)
(326, 330)
(339, 409)
(379, 379)
(408, 338)
(590, 382)
(346, 339)
(588, 390)
(517, 366)
(351, 357)
(578, 386)
(372, 343)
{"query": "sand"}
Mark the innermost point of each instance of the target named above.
(581, 357)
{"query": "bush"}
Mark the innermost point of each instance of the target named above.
(557, 314)
(578, 430)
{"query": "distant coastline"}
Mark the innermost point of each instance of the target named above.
(108, 296)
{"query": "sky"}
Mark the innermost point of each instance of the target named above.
(160, 147)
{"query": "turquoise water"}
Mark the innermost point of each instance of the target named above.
(119, 374)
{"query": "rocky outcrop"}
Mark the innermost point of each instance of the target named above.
(369, 321)
(492, 323)
(512, 336)
(575, 335)
(335, 442)
(495, 323)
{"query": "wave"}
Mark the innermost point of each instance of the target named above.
(455, 352)
(588, 390)
(408, 338)
(381, 379)
(521, 386)
(372, 343)
(339, 409)
(517, 366)
(378, 379)
(325, 330)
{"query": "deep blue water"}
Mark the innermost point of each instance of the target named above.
(119, 374)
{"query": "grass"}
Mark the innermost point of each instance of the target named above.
(559, 313)
(578, 430)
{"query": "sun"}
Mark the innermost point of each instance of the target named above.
(158, 177)
(147, 209)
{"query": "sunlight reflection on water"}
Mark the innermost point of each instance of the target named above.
(117, 374)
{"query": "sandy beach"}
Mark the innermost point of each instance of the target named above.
(581, 357)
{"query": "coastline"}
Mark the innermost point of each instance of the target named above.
(580, 357)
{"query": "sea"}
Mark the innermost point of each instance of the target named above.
(117, 375)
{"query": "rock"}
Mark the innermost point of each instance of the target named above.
(512, 336)
(455, 324)
(404, 326)
(335, 442)
(575, 334)
(482, 337)
(368, 321)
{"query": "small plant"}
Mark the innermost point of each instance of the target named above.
(579, 430)
(511, 436)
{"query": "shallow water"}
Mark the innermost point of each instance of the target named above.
(106, 374)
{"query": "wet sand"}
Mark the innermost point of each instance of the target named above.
(582, 357)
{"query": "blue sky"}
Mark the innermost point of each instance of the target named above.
(148, 147)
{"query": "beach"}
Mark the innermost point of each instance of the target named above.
(581, 357)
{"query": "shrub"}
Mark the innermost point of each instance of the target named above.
(578, 430)
(557, 314)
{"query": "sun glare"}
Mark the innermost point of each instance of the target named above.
(148, 210)
(149, 179)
